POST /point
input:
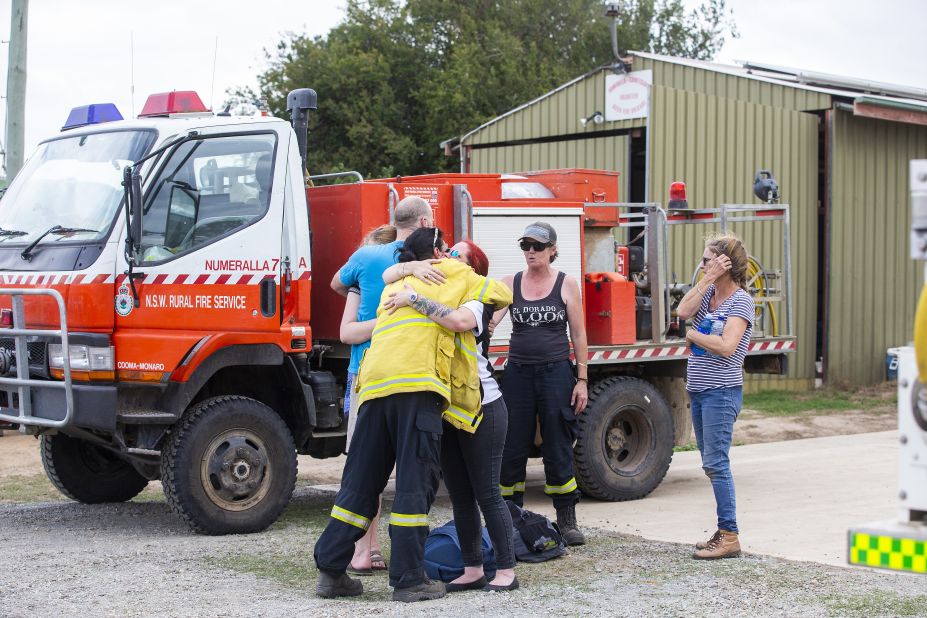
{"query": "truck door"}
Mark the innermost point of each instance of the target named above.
(210, 248)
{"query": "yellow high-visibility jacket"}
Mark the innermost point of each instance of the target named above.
(411, 353)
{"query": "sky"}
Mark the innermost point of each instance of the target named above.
(87, 51)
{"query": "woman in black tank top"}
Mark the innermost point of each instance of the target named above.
(541, 385)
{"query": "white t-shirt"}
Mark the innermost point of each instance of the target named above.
(491, 390)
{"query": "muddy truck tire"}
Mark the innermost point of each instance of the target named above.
(625, 441)
(229, 467)
(88, 473)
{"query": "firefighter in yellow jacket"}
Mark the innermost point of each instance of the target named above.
(404, 384)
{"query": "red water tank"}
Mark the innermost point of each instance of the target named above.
(610, 307)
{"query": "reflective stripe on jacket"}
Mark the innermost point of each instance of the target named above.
(409, 352)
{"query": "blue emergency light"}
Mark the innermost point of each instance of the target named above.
(95, 113)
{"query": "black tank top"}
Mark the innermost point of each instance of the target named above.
(539, 327)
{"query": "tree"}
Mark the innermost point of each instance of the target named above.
(396, 78)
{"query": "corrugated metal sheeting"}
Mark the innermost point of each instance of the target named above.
(714, 129)
(873, 282)
(728, 86)
(716, 145)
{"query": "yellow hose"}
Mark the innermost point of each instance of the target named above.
(920, 336)
(755, 276)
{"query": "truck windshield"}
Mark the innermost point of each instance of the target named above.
(73, 182)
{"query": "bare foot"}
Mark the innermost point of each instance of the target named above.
(503, 577)
(470, 574)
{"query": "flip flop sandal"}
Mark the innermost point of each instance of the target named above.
(360, 572)
(377, 563)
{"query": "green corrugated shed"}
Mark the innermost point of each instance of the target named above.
(713, 126)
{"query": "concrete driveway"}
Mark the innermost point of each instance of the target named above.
(795, 499)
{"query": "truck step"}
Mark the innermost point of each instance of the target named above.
(143, 417)
(330, 433)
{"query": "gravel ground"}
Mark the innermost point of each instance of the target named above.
(138, 559)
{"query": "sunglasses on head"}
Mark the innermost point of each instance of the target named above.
(527, 245)
(434, 242)
(454, 253)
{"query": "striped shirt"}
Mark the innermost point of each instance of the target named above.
(713, 371)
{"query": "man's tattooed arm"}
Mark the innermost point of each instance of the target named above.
(431, 308)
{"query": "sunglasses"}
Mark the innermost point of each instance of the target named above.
(453, 253)
(527, 245)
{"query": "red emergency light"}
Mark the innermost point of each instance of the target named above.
(176, 102)
(677, 195)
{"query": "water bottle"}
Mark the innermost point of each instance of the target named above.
(704, 327)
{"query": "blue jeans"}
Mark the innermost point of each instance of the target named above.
(713, 415)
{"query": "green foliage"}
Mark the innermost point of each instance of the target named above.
(396, 78)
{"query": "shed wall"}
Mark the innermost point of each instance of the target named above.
(716, 145)
(873, 283)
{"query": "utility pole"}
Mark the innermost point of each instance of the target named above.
(16, 89)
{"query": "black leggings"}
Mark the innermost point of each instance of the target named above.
(471, 464)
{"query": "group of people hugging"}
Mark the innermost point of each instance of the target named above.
(422, 399)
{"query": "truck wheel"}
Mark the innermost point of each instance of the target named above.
(625, 440)
(229, 467)
(88, 473)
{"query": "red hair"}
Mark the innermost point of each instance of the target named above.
(478, 260)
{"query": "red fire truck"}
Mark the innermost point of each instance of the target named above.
(161, 322)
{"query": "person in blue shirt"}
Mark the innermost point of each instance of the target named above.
(364, 273)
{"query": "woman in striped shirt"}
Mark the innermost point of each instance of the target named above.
(715, 374)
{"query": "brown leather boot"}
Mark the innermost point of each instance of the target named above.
(704, 544)
(727, 545)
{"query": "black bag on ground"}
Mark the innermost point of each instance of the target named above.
(536, 538)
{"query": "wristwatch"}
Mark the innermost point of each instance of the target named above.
(413, 297)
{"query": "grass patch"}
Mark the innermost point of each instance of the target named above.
(292, 565)
(787, 403)
(691, 446)
(876, 603)
(19, 489)
(152, 493)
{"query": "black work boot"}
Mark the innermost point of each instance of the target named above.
(425, 591)
(330, 586)
(566, 521)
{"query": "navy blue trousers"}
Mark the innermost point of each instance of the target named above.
(540, 393)
(402, 430)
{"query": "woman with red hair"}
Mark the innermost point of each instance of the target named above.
(471, 462)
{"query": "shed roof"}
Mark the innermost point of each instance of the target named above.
(861, 93)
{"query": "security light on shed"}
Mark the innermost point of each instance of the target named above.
(596, 118)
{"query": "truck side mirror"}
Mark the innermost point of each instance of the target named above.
(135, 214)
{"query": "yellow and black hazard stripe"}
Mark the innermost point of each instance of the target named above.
(888, 552)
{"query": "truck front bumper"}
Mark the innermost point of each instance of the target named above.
(94, 407)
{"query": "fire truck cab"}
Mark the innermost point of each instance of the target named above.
(182, 353)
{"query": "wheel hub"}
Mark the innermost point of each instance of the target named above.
(627, 440)
(235, 471)
(616, 439)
